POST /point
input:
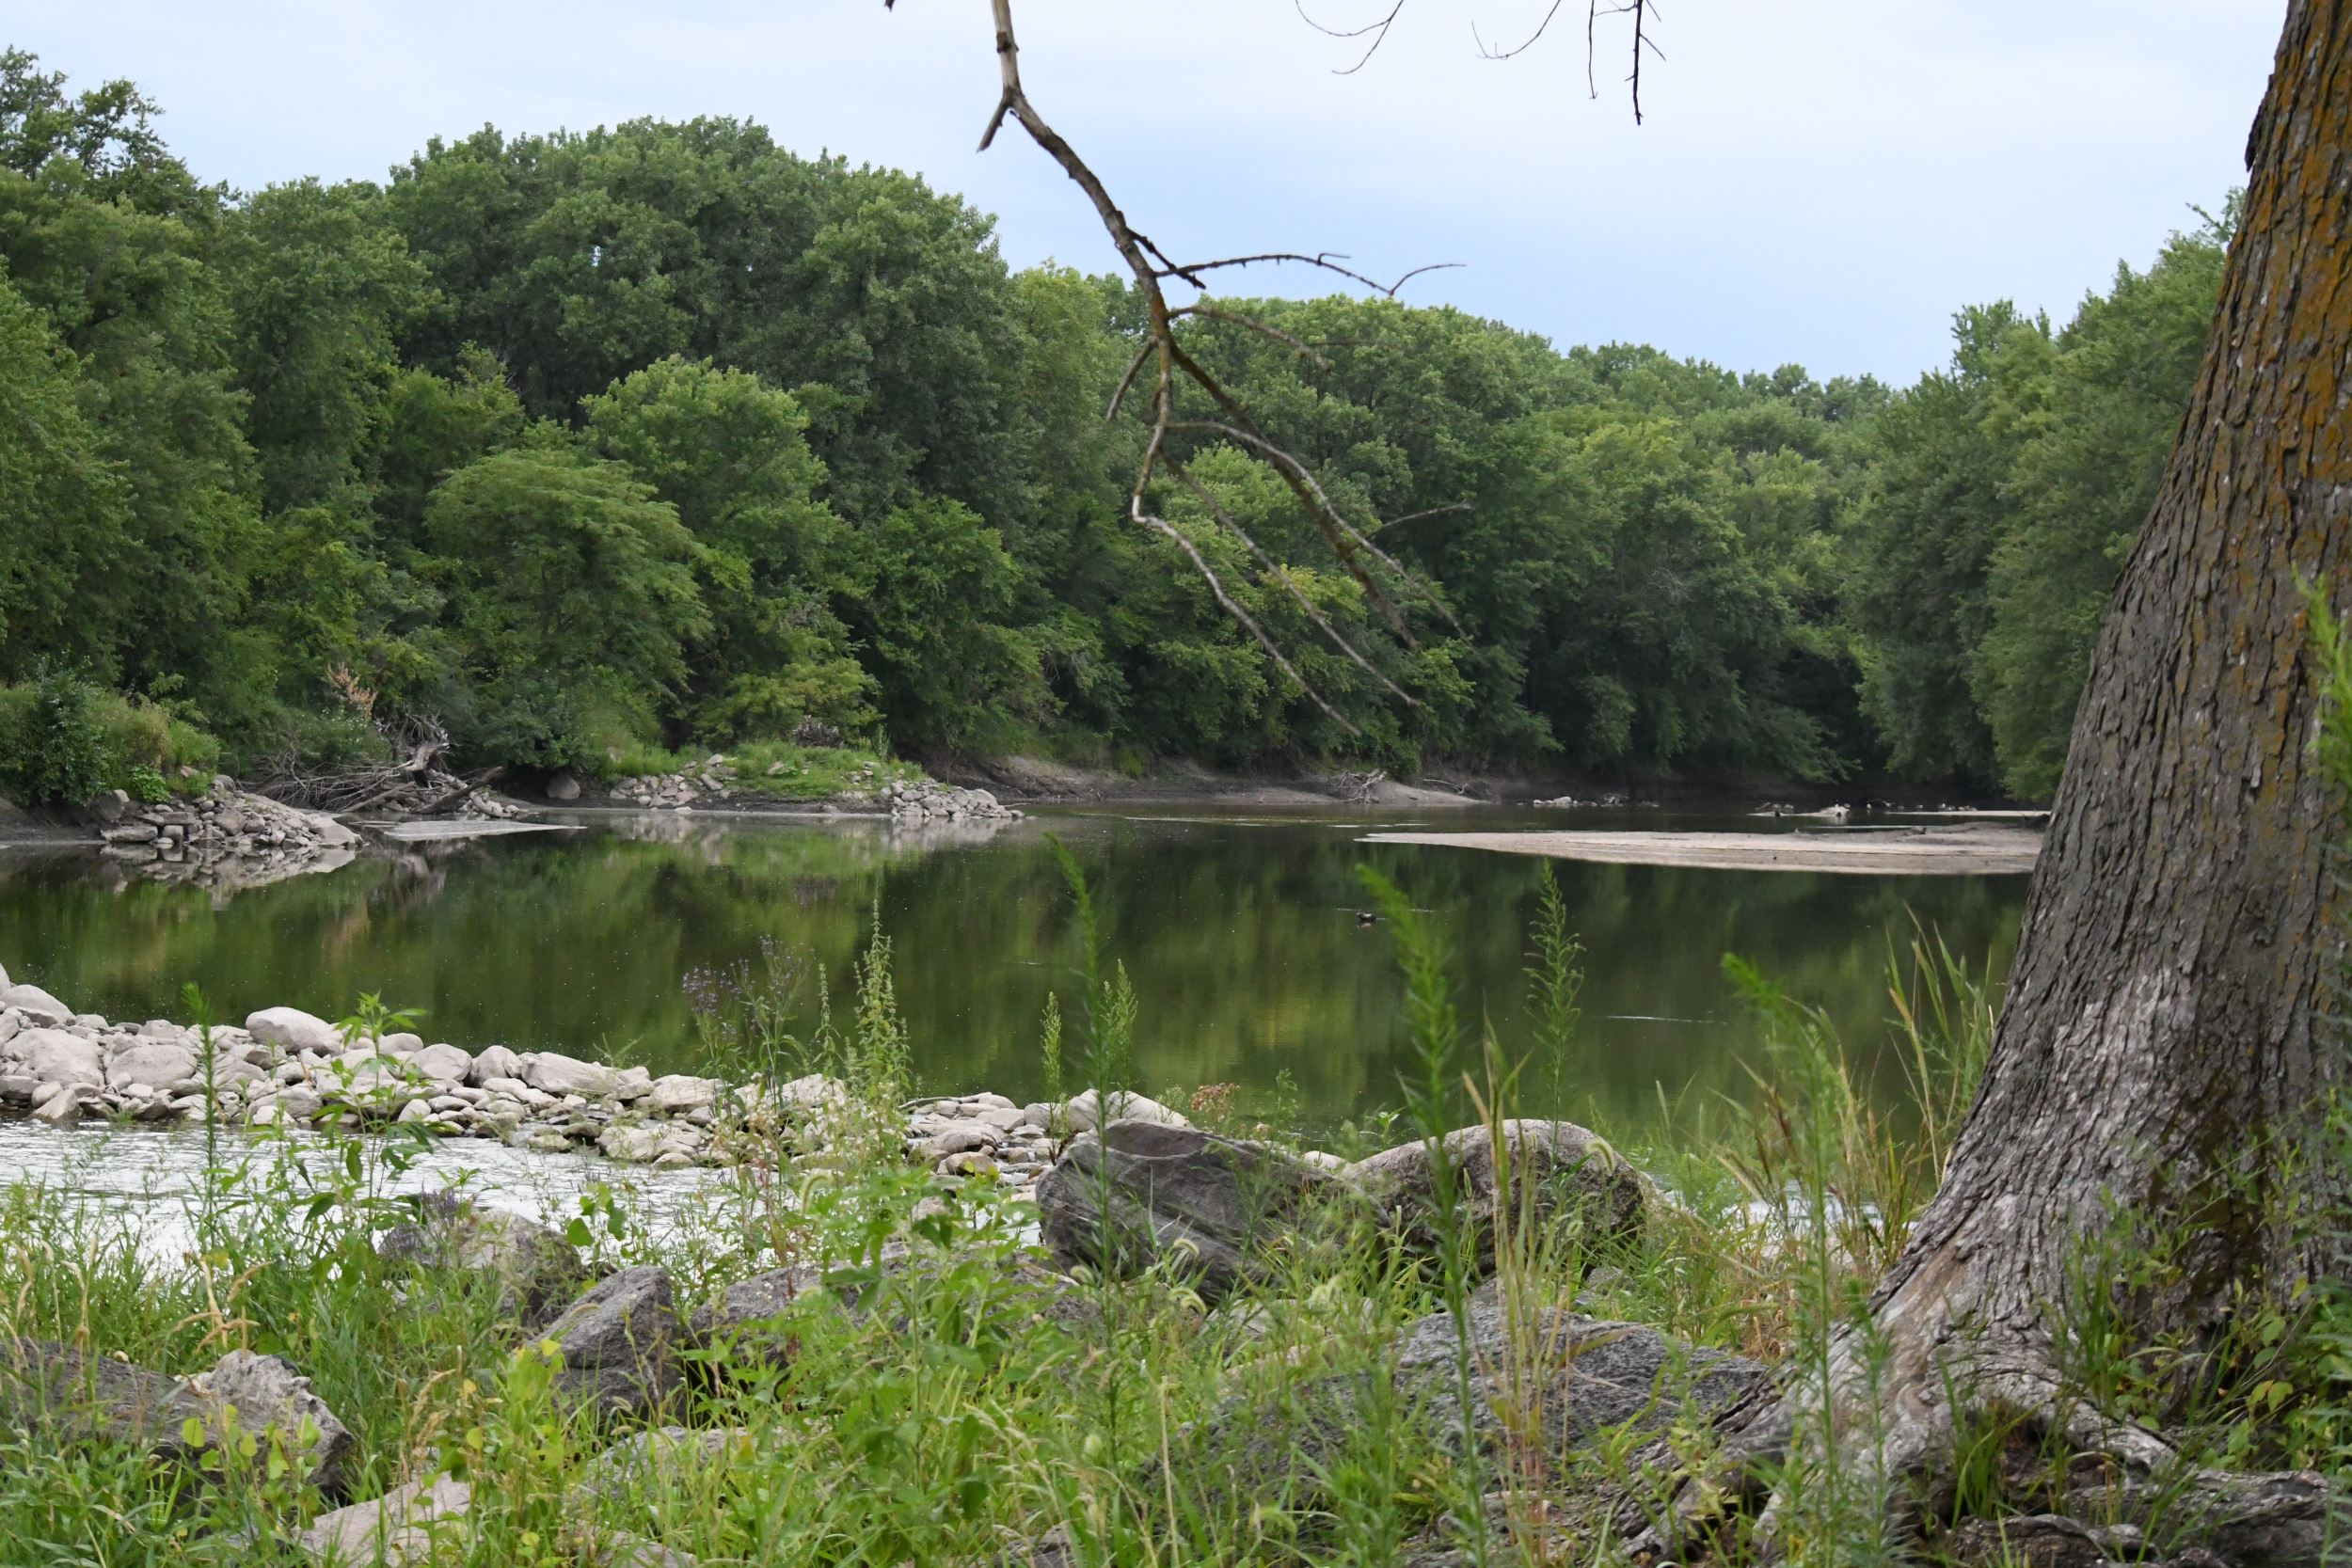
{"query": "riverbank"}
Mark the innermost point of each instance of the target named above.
(1973, 849)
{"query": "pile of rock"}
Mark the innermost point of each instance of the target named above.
(671, 791)
(920, 801)
(288, 1068)
(225, 835)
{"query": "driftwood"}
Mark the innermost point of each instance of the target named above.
(417, 785)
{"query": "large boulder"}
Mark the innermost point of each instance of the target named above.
(1542, 1382)
(552, 1072)
(37, 1004)
(294, 1030)
(1083, 1113)
(268, 1395)
(534, 1270)
(441, 1064)
(156, 1062)
(1217, 1210)
(1571, 1175)
(620, 1344)
(54, 1056)
(57, 1390)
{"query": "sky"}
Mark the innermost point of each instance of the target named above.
(1822, 183)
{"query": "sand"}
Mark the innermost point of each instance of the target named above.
(1957, 851)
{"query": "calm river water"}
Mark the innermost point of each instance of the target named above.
(1240, 931)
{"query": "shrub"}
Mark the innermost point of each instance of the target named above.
(53, 751)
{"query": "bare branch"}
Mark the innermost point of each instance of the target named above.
(1416, 516)
(1274, 650)
(1274, 570)
(1541, 28)
(1328, 261)
(1150, 266)
(1208, 312)
(1380, 31)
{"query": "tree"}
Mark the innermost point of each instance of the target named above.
(2163, 1059)
(569, 597)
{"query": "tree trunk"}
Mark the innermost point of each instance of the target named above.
(2162, 1041)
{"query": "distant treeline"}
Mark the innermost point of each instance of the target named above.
(663, 434)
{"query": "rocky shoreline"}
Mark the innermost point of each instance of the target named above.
(288, 1069)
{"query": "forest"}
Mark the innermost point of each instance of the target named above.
(662, 435)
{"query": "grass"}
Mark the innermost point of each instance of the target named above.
(776, 767)
(959, 1409)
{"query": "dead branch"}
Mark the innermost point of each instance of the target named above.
(1176, 370)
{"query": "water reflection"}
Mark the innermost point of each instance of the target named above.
(1241, 933)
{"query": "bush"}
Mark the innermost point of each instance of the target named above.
(54, 751)
(63, 742)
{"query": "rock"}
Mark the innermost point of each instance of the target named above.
(631, 1083)
(399, 1043)
(648, 1458)
(54, 1056)
(1551, 1384)
(1079, 1114)
(39, 1008)
(268, 1395)
(129, 833)
(295, 1030)
(396, 1530)
(563, 787)
(497, 1062)
(57, 1389)
(1578, 1178)
(619, 1344)
(1213, 1206)
(536, 1270)
(677, 1094)
(151, 1062)
(441, 1064)
(553, 1073)
(635, 1143)
(110, 805)
(957, 1137)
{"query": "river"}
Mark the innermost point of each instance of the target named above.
(1241, 933)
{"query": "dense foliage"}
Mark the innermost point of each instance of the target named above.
(662, 435)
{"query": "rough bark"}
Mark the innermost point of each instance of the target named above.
(2165, 1037)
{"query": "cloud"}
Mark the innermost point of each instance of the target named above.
(1822, 183)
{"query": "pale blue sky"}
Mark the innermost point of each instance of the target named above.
(1823, 183)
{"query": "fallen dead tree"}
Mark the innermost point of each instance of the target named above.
(417, 782)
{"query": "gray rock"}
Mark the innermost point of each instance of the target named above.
(110, 805)
(295, 1030)
(678, 1093)
(497, 1062)
(648, 1458)
(563, 787)
(151, 1062)
(620, 1344)
(37, 1006)
(1578, 1178)
(534, 1269)
(57, 1389)
(441, 1064)
(552, 1072)
(54, 1056)
(1080, 1113)
(60, 1107)
(396, 1530)
(1215, 1208)
(1553, 1383)
(268, 1395)
(635, 1143)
